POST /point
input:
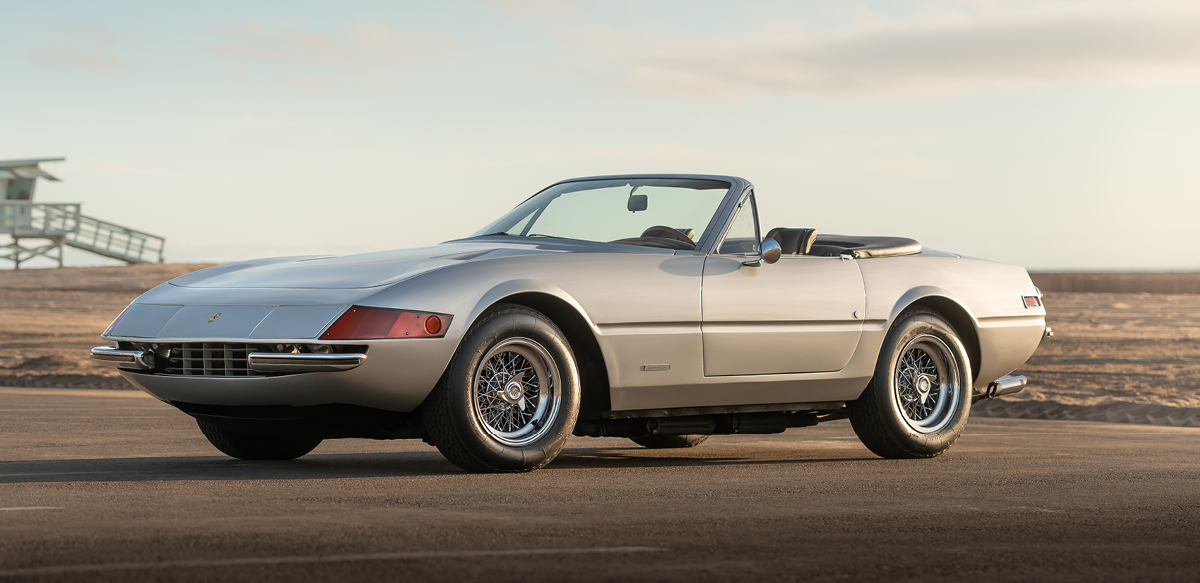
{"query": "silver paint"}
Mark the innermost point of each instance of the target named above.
(788, 332)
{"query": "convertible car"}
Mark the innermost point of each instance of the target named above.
(651, 307)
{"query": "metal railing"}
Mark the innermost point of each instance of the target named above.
(112, 240)
(27, 219)
(65, 223)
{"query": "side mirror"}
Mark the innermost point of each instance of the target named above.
(770, 250)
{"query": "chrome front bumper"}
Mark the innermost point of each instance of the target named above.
(303, 362)
(126, 359)
(284, 362)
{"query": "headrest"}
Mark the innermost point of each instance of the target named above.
(793, 241)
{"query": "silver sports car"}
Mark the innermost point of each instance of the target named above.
(651, 307)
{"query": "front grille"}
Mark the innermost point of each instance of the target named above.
(212, 359)
(224, 359)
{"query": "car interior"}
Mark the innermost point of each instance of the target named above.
(663, 237)
(808, 242)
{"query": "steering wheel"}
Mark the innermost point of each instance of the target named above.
(665, 232)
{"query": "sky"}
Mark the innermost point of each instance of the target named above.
(1048, 134)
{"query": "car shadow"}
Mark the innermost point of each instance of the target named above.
(637, 457)
(356, 465)
(219, 468)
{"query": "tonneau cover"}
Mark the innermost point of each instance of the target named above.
(865, 247)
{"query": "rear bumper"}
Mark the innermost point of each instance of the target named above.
(1006, 343)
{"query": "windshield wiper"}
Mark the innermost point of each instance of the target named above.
(502, 233)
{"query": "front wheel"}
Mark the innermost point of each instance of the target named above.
(920, 397)
(510, 398)
(253, 447)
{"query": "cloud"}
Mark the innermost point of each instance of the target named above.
(229, 127)
(364, 44)
(298, 82)
(84, 48)
(536, 7)
(1122, 43)
(125, 169)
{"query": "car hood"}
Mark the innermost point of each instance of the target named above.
(369, 270)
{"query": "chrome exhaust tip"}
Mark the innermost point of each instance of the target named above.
(1006, 386)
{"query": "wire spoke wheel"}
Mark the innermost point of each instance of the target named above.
(516, 393)
(919, 399)
(926, 384)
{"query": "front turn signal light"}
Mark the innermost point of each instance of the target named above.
(362, 323)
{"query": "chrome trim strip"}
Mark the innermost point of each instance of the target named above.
(291, 362)
(127, 359)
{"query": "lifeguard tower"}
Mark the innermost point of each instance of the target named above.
(51, 226)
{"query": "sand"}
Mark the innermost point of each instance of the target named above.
(1125, 357)
(51, 318)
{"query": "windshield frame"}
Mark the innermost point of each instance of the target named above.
(713, 232)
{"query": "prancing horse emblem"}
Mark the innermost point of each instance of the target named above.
(214, 318)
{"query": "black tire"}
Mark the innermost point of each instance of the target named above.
(669, 441)
(254, 447)
(454, 413)
(888, 415)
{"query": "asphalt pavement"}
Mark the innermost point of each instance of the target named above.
(115, 486)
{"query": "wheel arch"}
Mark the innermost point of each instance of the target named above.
(569, 316)
(953, 311)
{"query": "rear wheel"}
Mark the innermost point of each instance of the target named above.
(510, 398)
(669, 441)
(919, 399)
(254, 447)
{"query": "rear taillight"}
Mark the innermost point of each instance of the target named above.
(361, 323)
(109, 330)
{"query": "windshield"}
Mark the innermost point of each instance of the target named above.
(669, 213)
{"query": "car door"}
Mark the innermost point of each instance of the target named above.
(801, 314)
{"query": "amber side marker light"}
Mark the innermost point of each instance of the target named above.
(362, 323)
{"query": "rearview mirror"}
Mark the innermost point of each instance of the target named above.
(770, 250)
(637, 202)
